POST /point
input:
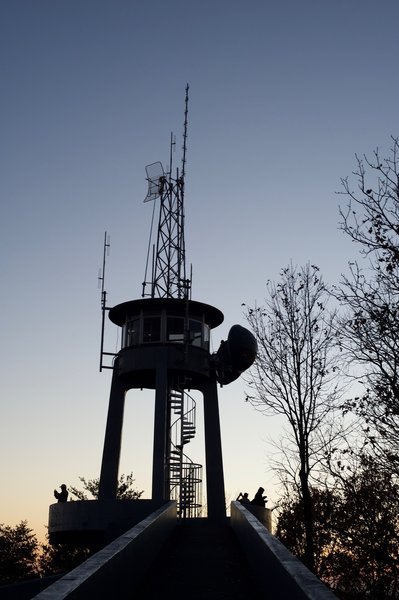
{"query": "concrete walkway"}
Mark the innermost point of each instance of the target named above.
(200, 560)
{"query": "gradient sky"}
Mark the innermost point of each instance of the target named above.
(282, 96)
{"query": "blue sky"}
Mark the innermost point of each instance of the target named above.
(282, 96)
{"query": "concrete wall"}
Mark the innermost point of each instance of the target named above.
(114, 571)
(102, 520)
(279, 574)
(264, 515)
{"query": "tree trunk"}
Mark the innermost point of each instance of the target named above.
(308, 521)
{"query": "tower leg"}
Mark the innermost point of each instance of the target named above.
(113, 438)
(213, 454)
(159, 467)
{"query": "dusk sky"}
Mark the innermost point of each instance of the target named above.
(282, 96)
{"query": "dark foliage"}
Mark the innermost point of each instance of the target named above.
(356, 534)
(19, 550)
(125, 491)
(60, 558)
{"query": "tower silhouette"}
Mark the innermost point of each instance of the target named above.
(165, 347)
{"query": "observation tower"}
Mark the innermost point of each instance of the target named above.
(165, 347)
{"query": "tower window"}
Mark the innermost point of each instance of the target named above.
(195, 333)
(131, 333)
(175, 329)
(151, 329)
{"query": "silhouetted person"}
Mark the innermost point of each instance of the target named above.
(259, 499)
(61, 496)
(243, 498)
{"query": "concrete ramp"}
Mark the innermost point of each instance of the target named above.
(200, 559)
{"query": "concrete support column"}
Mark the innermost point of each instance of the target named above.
(159, 476)
(113, 440)
(213, 453)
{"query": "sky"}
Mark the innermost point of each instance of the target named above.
(283, 94)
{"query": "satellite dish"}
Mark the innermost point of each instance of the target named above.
(156, 181)
(236, 354)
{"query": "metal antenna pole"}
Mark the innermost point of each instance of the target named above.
(101, 278)
(183, 170)
(172, 144)
(185, 283)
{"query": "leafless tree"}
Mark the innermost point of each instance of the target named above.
(370, 294)
(295, 373)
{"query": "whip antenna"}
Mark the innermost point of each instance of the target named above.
(183, 169)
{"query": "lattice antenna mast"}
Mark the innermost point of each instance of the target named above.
(169, 261)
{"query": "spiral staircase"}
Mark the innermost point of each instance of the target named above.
(185, 476)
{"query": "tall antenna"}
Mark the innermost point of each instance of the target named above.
(183, 168)
(169, 261)
(101, 284)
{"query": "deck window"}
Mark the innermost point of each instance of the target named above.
(175, 330)
(131, 333)
(195, 333)
(151, 329)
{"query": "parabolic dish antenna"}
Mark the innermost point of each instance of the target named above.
(156, 181)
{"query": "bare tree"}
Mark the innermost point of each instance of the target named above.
(370, 294)
(295, 373)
